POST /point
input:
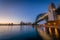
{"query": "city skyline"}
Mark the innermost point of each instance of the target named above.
(26, 11)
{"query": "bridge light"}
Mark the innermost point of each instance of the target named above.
(54, 9)
(49, 24)
(54, 23)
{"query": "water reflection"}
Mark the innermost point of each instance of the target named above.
(18, 32)
(50, 31)
(45, 32)
(56, 32)
(53, 32)
(7, 29)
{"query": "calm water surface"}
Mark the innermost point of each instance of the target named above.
(52, 32)
(25, 32)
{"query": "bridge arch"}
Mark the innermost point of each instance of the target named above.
(39, 17)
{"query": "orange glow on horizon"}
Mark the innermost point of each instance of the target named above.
(7, 21)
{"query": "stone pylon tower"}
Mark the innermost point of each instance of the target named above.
(51, 12)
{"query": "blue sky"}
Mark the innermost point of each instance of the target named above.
(23, 10)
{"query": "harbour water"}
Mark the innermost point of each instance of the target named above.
(28, 32)
(49, 33)
(24, 32)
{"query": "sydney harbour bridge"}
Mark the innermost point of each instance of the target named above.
(52, 18)
(52, 14)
